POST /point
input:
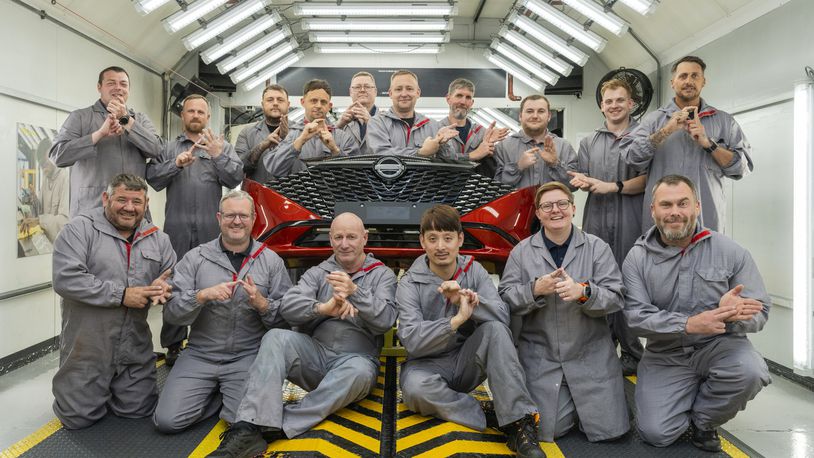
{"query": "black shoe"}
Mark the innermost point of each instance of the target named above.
(629, 364)
(173, 351)
(488, 408)
(242, 440)
(522, 436)
(706, 440)
(272, 434)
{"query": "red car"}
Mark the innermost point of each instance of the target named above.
(389, 193)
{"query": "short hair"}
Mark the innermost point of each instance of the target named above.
(195, 97)
(403, 72)
(534, 97)
(461, 83)
(129, 181)
(675, 180)
(236, 194)
(551, 186)
(363, 73)
(273, 87)
(112, 68)
(693, 59)
(316, 84)
(615, 84)
(441, 218)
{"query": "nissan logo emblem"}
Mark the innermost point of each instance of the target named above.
(389, 168)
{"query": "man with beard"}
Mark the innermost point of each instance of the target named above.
(341, 308)
(355, 118)
(193, 168)
(228, 291)
(534, 156)
(261, 139)
(313, 138)
(401, 131)
(691, 138)
(613, 209)
(473, 142)
(454, 327)
(104, 140)
(694, 294)
(109, 265)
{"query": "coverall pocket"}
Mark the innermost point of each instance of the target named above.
(710, 284)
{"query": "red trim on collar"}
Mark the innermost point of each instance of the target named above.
(709, 112)
(145, 233)
(696, 238)
(425, 121)
(464, 268)
(368, 268)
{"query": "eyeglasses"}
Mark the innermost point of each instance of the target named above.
(234, 216)
(548, 206)
(360, 87)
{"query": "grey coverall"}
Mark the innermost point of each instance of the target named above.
(443, 365)
(388, 134)
(507, 154)
(286, 160)
(247, 140)
(614, 218)
(683, 377)
(224, 335)
(93, 166)
(106, 358)
(487, 165)
(354, 130)
(335, 360)
(565, 347)
(680, 154)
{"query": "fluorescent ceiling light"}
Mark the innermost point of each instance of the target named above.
(145, 7)
(803, 305)
(516, 71)
(231, 42)
(502, 118)
(643, 7)
(262, 62)
(602, 18)
(478, 117)
(272, 70)
(549, 39)
(192, 13)
(376, 9)
(537, 52)
(254, 50)
(224, 22)
(296, 114)
(378, 37)
(370, 24)
(373, 48)
(566, 24)
(517, 57)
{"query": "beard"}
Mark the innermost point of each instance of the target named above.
(677, 234)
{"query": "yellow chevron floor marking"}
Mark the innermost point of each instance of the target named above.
(730, 449)
(380, 380)
(400, 407)
(210, 442)
(412, 420)
(633, 379)
(377, 392)
(371, 405)
(361, 419)
(459, 446)
(310, 445)
(348, 434)
(32, 439)
(431, 433)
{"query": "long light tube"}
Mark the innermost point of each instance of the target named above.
(566, 24)
(223, 22)
(377, 37)
(145, 7)
(254, 50)
(370, 24)
(516, 71)
(549, 39)
(374, 48)
(517, 57)
(502, 118)
(262, 62)
(376, 9)
(803, 305)
(272, 70)
(602, 18)
(192, 13)
(245, 34)
(643, 7)
(295, 115)
(535, 51)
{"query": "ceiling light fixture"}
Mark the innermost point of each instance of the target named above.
(377, 48)
(260, 63)
(516, 71)
(549, 39)
(254, 50)
(535, 51)
(268, 72)
(224, 22)
(377, 37)
(602, 18)
(376, 9)
(370, 24)
(190, 14)
(643, 7)
(565, 23)
(516, 56)
(236, 39)
(145, 7)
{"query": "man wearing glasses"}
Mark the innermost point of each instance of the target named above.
(355, 118)
(228, 291)
(562, 282)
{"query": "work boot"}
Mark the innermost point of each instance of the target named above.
(706, 440)
(173, 351)
(488, 408)
(629, 363)
(241, 440)
(271, 434)
(522, 436)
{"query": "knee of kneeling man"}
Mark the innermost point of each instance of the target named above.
(495, 329)
(657, 437)
(166, 424)
(755, 377)
(72, 423)
(274, 337)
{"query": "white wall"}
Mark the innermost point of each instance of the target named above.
(43, 62)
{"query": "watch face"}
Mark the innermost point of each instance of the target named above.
(124, 120)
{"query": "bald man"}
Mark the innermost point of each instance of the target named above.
(341, 307)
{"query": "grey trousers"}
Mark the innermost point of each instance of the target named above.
(620, 331)
(440, 386)
(197, 388)
(708, 386)
(332, 379)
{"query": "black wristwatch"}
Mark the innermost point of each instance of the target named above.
(619, 187)
(124, 120)
(712, 147)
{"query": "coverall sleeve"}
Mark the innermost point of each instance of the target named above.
(280, 162)
(162, 170)
(71, 144)
(376, 305)
(144, 137)
(278, 284)
(507, 170)
(517, 294)
(748, 275)
(183, 308)
(242, 149)
(607, 288)
(298, 303)
(567, 163)
(420, 337)
(736, 142)
(228, 167)
(491, 306)
(636, 149)
(643, 317)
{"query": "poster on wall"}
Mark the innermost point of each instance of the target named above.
(42, 192)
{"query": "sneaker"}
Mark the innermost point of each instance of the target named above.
(706, 440)
(629, 364)
(173, 351)
(241, 440)
(522, 436)
(488, 408)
